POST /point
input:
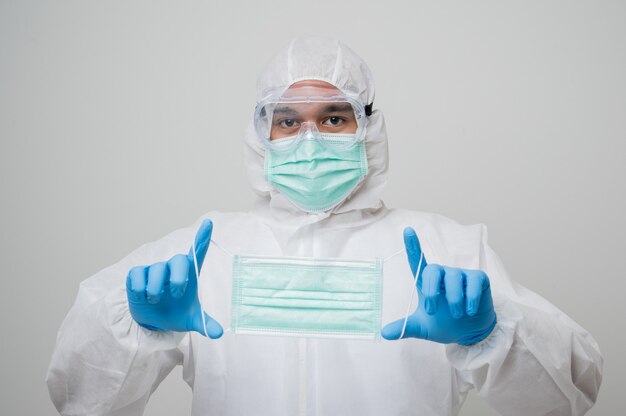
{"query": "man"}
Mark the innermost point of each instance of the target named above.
(300, 283)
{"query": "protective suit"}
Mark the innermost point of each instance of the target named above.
(536, 361)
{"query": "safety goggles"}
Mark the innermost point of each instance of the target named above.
(282, 122)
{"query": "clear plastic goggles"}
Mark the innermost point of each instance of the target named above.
(284, 121)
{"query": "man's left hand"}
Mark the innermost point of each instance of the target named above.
(455, 305)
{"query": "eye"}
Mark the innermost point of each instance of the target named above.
(334, 121)
(287, 123)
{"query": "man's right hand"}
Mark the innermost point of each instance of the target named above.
(164, 296)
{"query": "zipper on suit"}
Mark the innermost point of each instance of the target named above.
(302, 371)
(305, 248)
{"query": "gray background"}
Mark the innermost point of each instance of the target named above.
(121, 121)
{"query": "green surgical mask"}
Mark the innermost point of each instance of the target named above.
(307, 297)
(318, 173)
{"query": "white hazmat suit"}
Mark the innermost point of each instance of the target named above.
(537, 361)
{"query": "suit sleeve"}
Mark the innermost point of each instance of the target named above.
(537, 361)
(104, 363)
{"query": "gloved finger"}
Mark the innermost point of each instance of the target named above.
(393, 330)
(202, 241)
(413, 249)
(213, 329)
(454, 285)
(157, 276)
(136, 283)
(477, 282)
(432, 277)
(179, 275)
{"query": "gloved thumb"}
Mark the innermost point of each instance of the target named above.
(393, 330)
(213, 329)
(413, 250)
(201, 242)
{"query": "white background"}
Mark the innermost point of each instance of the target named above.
(121, 121)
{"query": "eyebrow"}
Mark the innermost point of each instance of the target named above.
(338, 108)
(331, 108)
(285, 110)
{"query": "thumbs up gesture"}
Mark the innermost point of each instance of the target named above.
(454, 305)
(164, 296)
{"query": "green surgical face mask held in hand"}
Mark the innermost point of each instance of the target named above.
(318, 174)
(307, 297)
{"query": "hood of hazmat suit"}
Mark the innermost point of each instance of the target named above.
(536, 361)
(312, 58)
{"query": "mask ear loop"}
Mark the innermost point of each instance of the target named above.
(408, 309)
(195, 265)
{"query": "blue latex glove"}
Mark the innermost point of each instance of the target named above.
(164, 296)
(455, 305)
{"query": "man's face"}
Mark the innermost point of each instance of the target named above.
(328, 117)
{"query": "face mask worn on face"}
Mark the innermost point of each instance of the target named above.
(318, 174)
